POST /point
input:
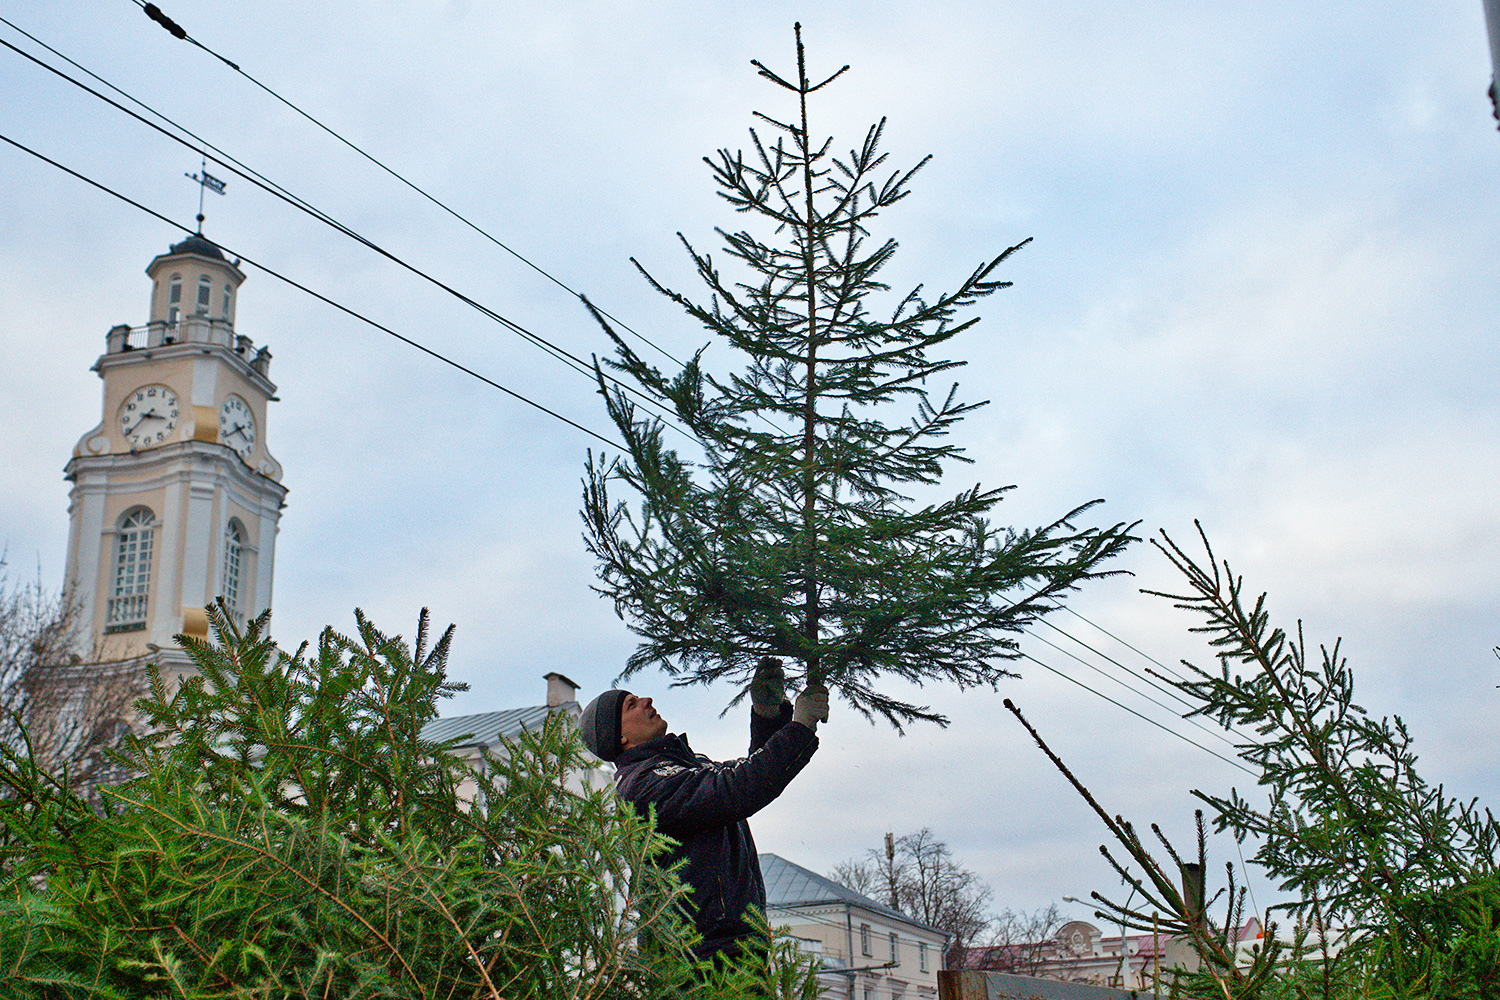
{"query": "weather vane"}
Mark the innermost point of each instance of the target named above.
(206, 182)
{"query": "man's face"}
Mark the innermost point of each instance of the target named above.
(639, 721)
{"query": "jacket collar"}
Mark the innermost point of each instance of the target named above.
(668, 744)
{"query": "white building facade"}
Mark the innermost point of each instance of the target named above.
(869, 951)
(176, 499)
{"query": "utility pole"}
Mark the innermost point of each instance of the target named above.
(890, 868)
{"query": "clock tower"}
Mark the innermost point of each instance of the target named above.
(175, 499)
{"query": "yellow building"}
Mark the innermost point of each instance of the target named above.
(175, 498)
(867, 950)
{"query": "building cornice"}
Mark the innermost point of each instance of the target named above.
(186, 350)
(164, 466)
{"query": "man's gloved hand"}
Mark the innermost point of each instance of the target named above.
(811, 707)
(768, 689)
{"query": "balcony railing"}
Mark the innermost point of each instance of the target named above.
(126, 614)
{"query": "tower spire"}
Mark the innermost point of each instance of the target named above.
(206, 182)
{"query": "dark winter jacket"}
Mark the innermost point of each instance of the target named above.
(703, 806)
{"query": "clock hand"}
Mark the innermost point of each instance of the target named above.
(148, 415)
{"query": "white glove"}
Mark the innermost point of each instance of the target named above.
(811, 707)
(768, 689)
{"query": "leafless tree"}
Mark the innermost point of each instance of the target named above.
(1018, 942)
(917, 875)
(861, 876)
(68, 712)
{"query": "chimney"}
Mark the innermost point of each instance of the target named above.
(560, 690)
(1192, 892)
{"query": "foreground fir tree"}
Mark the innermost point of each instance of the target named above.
(289, 833)
(1393, 884)
(790, 534)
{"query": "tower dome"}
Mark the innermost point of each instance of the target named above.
(197, 244)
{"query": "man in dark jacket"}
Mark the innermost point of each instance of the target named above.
(704, 805)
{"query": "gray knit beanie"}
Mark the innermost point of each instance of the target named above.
(600, 724)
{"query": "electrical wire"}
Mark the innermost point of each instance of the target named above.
(1127, 708)
(1218, 733)
(1133, 690)
(1244, 736)
(259, 180)
(1149, 681)
(177, 31)
(156, 14)
(317, 295)
(1133, 649)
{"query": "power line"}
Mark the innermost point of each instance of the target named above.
(156, 14)
(1138, 715)
(1122, 642)
(317, 295)
(1188, 716)
(1105, 656)
(1133, 690)
(257, 179)
(177, 31)
(1144, 655)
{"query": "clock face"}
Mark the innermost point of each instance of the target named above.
(237, 425)
(148, 416)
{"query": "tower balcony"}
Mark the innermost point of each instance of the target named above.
(194, 329)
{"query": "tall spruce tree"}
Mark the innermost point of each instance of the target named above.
(789, 534)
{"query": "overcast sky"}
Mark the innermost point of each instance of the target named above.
(1262, 293)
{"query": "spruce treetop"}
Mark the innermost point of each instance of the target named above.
(790, 533)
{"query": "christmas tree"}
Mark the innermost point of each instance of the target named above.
(789, 532)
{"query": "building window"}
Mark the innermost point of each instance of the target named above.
(234, 549)
(132, 583)
(898, 990)
(174, 300)
(922, 955)
(864, 939)
(895, 956)
(226, 301)
(205, 289)
(869, 992)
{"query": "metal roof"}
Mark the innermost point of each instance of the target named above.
(790, 885)
(488, 727)
(198, 244)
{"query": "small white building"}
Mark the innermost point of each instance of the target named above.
(870, 951)
(486, 729)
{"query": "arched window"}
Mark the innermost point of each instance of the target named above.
(226, 301)
(132, 583)
(205, 290)
(234, 550)
(174, 300)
